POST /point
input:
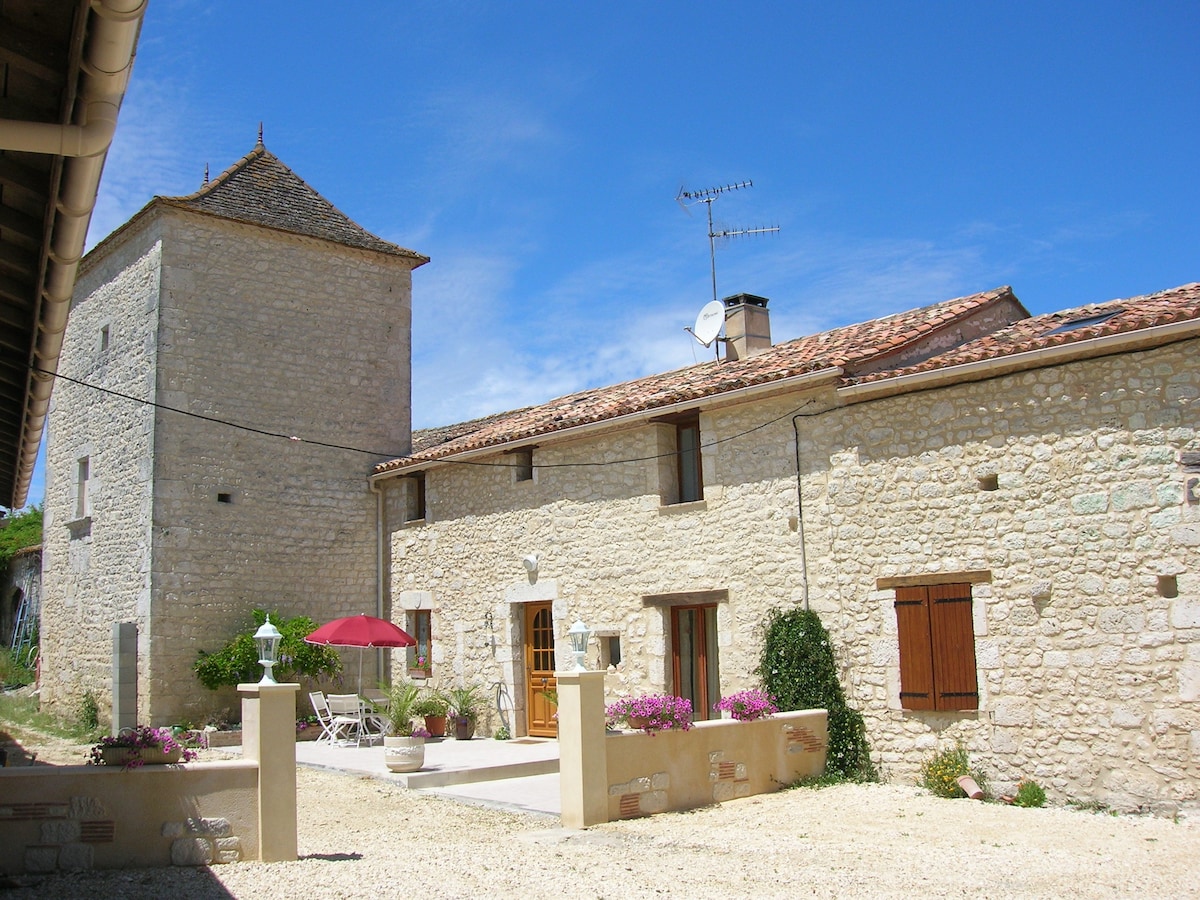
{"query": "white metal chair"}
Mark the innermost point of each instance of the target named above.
(350, 720)
(324, 716)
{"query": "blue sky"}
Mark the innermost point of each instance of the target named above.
(908, 152)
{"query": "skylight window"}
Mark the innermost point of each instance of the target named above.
(1086, 322)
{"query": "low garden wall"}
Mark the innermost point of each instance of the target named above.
(83, 817)
(713, 761)
(608, 776)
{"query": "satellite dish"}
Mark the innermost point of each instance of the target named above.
(709, 322)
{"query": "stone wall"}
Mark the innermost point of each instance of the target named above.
(96, 565)
(1087, 670)
(1065, 486)
(196, 523)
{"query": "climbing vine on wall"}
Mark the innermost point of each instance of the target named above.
(797, 667)
(237, 661)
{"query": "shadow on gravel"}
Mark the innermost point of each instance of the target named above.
(333, 857)
(12, 753)
(194, 883)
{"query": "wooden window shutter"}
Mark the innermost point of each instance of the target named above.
(916, 653)
(953, 639)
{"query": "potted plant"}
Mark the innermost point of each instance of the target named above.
(403, 746)
(434, 706)
(465, 703)
(651, 713)
(139, 746)
(746, 706)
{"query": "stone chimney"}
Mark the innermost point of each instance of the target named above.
(747, 326)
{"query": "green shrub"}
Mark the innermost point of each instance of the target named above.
(14, 670)
(798, 669)
(1029, 794)
(237, 661)
(940, 773)
(89, 712)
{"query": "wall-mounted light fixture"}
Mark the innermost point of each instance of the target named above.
(530, 563)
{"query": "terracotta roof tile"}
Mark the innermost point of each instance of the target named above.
(261, 190)
(1034, 333)
(852, 347)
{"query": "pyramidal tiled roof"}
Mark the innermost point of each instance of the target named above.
(260, 189)
(851, 347)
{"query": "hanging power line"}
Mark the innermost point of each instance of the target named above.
(394, 456)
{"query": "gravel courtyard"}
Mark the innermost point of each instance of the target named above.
(361, 837)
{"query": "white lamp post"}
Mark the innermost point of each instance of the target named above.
(267, 637)
(578, 633)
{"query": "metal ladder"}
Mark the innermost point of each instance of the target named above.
(24, 631)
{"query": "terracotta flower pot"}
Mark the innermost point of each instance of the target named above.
(970, 787)
(436, 726)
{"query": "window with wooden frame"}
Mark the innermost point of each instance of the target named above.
(414, 497)
(420, 658)
(937, 647)
(687, 444)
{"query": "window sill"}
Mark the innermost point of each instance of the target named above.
(80, 528)
(692, 506)
(413, 523)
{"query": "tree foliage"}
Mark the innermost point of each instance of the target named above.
(237, 662)
(797, 667)
(23, 530)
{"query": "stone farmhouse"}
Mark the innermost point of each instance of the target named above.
(996, 516)
(252, 301)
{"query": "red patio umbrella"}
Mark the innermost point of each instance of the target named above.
(361, 631)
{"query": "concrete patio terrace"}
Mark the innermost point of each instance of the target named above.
(520, 775)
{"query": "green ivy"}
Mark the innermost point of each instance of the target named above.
(237, 662)
(797, 668)
(22, 530)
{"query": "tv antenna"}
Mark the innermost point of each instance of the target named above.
(707, 197)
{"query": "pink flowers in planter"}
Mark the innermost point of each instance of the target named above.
(652, 712)
(746, 706)
(133, 742)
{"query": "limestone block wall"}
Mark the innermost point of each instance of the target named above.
(604, 541)
(1085, 624)
(96, 561)
(1066, 486)
(195, 523)
(294, 337)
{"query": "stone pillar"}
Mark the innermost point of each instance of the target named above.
(269, 738)
(124, 676)
(582, 753)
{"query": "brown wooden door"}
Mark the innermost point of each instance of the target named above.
(539, 669)
(694, 657)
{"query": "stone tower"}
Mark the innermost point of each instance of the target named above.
(204, 333)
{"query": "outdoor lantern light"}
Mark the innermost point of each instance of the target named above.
(267, 638)
(578, 633)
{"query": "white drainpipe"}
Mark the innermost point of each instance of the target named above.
(107, 59)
